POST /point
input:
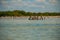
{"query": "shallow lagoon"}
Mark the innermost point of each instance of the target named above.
(24, 29)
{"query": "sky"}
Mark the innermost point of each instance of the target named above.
(30, 5)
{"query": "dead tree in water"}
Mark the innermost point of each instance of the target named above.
(41, 18)
(36, 18)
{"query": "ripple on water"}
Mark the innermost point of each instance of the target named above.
(29, 29)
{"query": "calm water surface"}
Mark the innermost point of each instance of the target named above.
(24, 29)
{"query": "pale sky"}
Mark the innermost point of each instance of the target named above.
(30, 5)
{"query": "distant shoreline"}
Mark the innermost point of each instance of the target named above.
(28, 16)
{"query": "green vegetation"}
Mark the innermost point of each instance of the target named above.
(23, 13)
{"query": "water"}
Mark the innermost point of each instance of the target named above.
(24, 29)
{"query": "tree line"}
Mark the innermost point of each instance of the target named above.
(23, 13)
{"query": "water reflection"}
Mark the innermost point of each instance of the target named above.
(24, 29)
